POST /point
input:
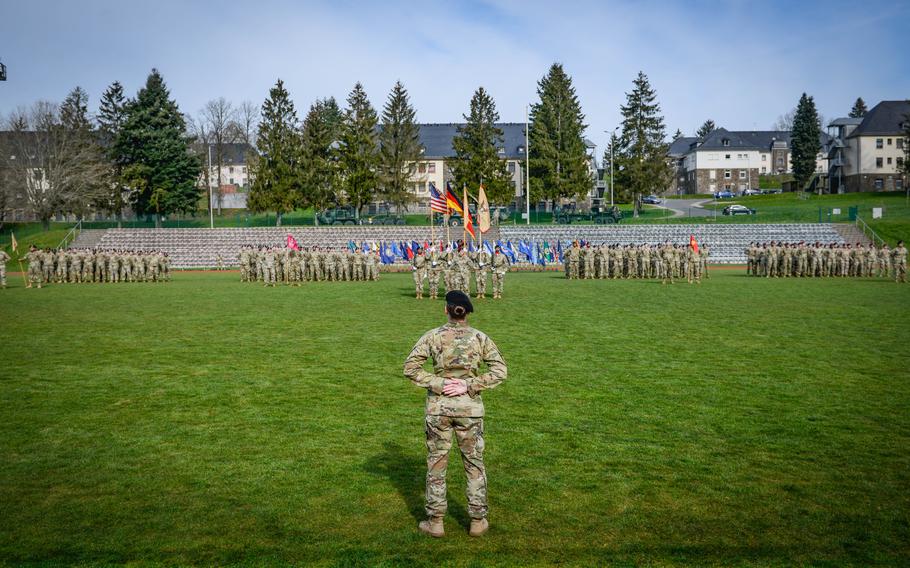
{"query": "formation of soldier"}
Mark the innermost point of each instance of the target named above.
(666, 262)
(455, 267)
(71, 266)
(801, 260)
(271, 265)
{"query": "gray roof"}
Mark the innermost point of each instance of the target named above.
(437, 139)
(885, 118)
(846, 121)
(747, 139)
(681, 146)
(234, 153)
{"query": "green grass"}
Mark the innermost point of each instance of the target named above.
(741, 422)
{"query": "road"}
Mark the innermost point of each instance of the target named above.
(687, 207)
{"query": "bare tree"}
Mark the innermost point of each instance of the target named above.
(217, 118)
(245, 124)
(58, 167)
(784, 122)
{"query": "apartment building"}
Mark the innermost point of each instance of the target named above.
(867, 154)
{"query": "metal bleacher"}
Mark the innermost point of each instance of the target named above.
(200, 248)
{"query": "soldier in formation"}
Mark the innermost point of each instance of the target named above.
(273, 265)
(457, 266)
(74, 266)
(4, 258)
(665, 262)
(777, 259)
(454, 408)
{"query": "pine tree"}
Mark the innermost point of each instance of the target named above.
(906, 167)
(678, 134)
(641, 153)
(559, 163)
(477, 145)
(74, 111)
(399, 146)
(275, 171)
(804, 142)
(707, 128)
(358, 149)
(158, 165)
(110, 119)
(317, 156)
(859, 109)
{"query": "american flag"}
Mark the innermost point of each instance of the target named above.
(437, 201)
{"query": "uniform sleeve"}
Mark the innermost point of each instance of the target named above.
(496, 369)
(414, 371)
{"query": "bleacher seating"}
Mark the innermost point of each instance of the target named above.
(200, 248)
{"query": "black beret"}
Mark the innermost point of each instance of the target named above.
(459, 298)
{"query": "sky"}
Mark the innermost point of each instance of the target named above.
(741, 63)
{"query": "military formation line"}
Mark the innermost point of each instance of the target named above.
(666, 262)
(73, 266)
(272, 265)
(801, 260)
(455, 265)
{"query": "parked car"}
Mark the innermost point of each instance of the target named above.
(771, 191)
(651, 200)
(751, 192)
(724, 194)
(737, 209)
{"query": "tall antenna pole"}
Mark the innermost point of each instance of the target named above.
(209, 175)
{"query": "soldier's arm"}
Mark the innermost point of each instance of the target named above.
(414, 371)
(496, 369)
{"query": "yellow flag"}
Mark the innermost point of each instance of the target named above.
(483, 211)
(15, 245)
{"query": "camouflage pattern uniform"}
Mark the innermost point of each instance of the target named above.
(457, 351)
(34, 268)
(481, 267)
(435, 270)
(500, 265)
(4, 258)
(899, 263)
(419, 271)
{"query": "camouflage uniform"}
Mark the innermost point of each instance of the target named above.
(457, 351)
(4, 258)
(419, 270)
(34, 268)
(481, 267)
(899, 262)
(436, 262)
(500, 265)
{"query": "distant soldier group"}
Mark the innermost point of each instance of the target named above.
(801, 260)
(455, 266)
(71, 266)
(665, 262)
(271, 265)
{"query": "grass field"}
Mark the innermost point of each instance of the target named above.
(741, 422)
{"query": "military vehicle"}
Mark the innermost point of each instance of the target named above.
(601, 215)
(384, 216)
(497, 215)
(338, 216)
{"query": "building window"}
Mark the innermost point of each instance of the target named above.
(878, 143)
(422, 168)
(900, 163)
(726, 142)
(898, 184)
(431, 168)
(243, 170)
(900, 144)
(780, 161)
(726, 156)
(521, 149)
(231, 170)
(889, 160)
(889, 141)
(422, 187)
(879, 183)
(511, 167)
(742, 174)
(878, 162)
(712, 174)
(764, 157)
(764, 170)
(727, 174)
(231, 181)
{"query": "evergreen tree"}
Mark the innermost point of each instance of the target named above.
(358, 149)
(859, 109)
(74, 111)
(558, 156)
(477, 145)
(83, 146)
(804, 142)
(333, 117)
(399, 146)
(678, 134)
(317, 162)
(110, 118)
(275, 172)
(157, 163)
(906, 167)
(641, 152)
(707, 128)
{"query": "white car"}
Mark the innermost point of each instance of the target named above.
(751, 192)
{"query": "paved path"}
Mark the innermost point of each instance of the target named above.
(688, 207)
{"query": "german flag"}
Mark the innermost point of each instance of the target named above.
(452, 200)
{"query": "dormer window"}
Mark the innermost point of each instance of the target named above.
(521, 149)
(725, 141)
(501, 151)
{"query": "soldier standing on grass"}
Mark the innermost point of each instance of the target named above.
(454, 405)
(4, 258)
(899, 262)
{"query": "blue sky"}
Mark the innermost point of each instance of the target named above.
(740, 62)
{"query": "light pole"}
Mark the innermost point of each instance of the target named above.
(527, 165)
(209, 176)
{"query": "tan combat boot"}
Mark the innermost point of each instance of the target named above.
(433, 527)
(479, 527)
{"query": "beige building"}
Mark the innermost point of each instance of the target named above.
(868, 154)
